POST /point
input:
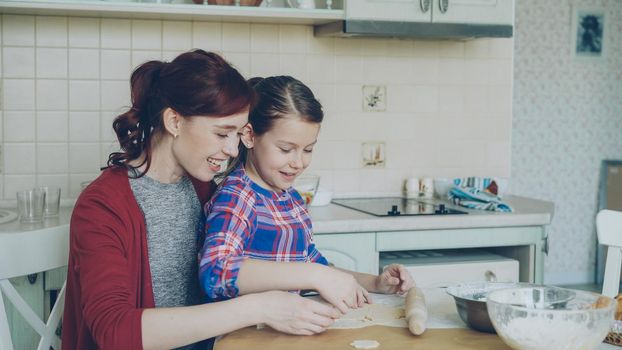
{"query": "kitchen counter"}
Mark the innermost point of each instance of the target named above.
(21, 244)
(527, 212)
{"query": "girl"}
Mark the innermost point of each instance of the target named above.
(132, 263)
(258, 232)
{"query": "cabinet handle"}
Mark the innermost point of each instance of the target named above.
(545, 245)
(32, 278)
(490, 276)
(425, 5)
(443, 5)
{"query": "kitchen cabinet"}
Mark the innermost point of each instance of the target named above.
(434, 11)
(167, 10)
(354, 251)
(441, 268)
(360, 251)
(520, 235)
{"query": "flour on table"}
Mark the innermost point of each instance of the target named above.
(387, 310)
(372, 315)
(365, 344)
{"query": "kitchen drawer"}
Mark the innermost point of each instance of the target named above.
(439, 268)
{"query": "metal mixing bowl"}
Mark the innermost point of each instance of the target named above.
(471, 302)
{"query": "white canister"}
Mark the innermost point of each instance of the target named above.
(426, 187)
(411, 187)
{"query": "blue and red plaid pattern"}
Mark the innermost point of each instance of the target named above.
(244, 220)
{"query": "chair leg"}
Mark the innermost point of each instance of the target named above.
(5, 333)
(50, 338)
(611, 283)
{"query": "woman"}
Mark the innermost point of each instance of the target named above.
(132, 280)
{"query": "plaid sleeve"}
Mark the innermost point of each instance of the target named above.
(227, 230)
(313, 254)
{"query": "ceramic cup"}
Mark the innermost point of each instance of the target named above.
(411, 187)
(426, 187)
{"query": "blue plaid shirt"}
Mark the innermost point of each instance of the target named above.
(244, 220)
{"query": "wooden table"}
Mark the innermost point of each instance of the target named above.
(389, 338)
(449, 334)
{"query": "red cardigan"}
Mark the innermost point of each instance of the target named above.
(109, 281)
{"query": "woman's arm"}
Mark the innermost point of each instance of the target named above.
(166, 328)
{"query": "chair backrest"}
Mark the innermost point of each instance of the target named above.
(27, 253)
(609, 230)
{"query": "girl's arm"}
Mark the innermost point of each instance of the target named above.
(337, 287)
(393, 280)
(166, 328)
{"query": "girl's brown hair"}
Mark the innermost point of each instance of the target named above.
(279, 97)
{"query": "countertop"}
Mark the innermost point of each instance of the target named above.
(334, 218)
(15, 226)
(29, 248)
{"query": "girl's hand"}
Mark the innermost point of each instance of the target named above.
(394, 280)
(340, 289)
(293, 314)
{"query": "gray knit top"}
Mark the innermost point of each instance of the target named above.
(172, 215)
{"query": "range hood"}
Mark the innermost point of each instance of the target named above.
(422, 30)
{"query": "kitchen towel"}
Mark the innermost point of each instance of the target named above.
(471, 193)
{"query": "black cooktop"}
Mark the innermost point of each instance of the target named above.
(396, 206)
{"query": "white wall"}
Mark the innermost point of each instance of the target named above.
(567, 119)
(64, 79)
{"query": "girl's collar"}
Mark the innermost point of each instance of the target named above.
(277, 196)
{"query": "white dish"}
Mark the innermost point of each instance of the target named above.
(322, 197)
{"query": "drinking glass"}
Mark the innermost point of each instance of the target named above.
(30, 205)
(52, 201)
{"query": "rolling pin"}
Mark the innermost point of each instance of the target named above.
(415, 311)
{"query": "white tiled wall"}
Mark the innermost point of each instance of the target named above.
(64, 79)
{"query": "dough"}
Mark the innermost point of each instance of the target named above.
(370, 315)
(365, 344)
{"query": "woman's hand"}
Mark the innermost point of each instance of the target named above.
(340, 288)
(291, 313)
(394, 280)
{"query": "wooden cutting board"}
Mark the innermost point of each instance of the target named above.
(389, 338)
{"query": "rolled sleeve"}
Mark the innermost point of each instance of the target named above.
(227, 232)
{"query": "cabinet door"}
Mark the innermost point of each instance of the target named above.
(390, 10)
(473, 11)
(352, 251)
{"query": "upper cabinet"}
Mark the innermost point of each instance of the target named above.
(433, 11)
(274, 11)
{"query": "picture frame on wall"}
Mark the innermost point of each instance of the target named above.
(588, 33)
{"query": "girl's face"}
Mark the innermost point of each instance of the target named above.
(279, 156)
(204, 144)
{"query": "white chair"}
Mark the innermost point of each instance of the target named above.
(24, 253)
(609, 230)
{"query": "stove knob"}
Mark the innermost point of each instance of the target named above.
(441, 209)
(393, 211)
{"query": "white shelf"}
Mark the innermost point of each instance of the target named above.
(245, 14)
